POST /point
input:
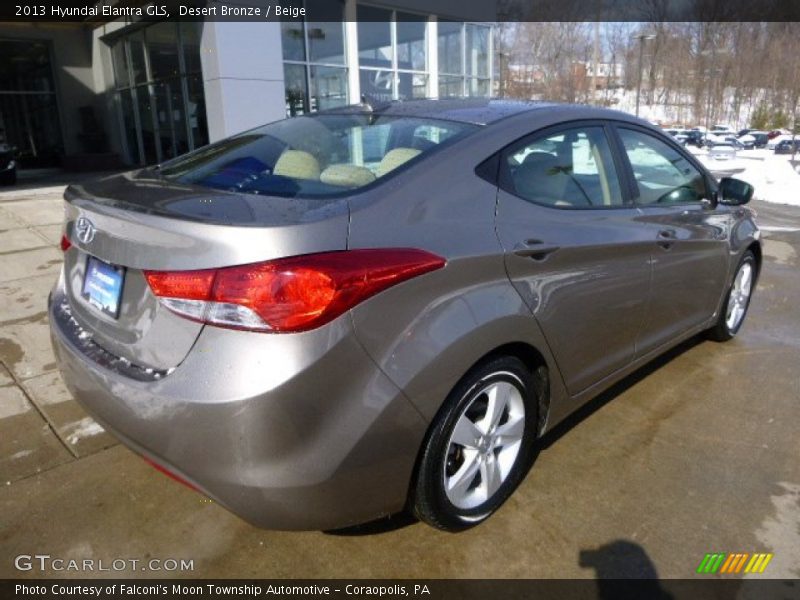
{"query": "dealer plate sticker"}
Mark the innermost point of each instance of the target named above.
(102, 286)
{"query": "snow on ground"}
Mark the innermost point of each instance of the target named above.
(84, 428)
(772, 175)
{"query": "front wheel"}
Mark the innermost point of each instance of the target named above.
(737, 302)
(481, 445)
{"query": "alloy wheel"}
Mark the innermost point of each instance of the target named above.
(739, 296)
(484, 445)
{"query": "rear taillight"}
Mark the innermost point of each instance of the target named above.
(65, 243)
(288, 294)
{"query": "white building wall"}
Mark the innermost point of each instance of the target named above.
(242, 76)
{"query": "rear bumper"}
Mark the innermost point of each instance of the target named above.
(287, 431)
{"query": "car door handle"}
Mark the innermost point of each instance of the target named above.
(535, 249)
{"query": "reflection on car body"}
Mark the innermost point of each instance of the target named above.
(335, 317)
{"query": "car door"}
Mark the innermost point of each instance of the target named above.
(690, 237)
(573, 247)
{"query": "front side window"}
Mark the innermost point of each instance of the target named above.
(314, 156)
(573, 168)
(663, 174)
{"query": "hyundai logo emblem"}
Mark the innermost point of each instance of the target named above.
(85, 230)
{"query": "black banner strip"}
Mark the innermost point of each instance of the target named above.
(88, 13)
(706, 588)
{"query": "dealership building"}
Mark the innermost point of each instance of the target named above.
(104, 93)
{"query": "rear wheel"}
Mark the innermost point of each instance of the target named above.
(737, 302)
(481, 445)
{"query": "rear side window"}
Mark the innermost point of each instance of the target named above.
(314, 156)
(573, 168)
(663, 174)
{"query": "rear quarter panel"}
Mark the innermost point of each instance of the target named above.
(426, 333)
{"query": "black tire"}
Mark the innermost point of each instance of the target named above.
(722, 331)
(429, 498)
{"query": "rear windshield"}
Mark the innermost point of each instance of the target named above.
(314, 156)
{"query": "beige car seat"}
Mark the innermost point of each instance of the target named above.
(394, 158)
(347, 175)
(297, 164)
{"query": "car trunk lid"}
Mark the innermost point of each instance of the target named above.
(138, 222)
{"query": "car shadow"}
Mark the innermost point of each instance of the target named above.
(404, 519)
(615, 564)
(383, 525)
(596, 403)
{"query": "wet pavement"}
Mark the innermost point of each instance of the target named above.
(696, 453)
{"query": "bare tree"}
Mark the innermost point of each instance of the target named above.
(699, 72)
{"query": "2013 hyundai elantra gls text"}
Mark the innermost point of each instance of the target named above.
(338, 316)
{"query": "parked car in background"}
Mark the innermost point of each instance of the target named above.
(722, 131)
(694, 137)
(339, 316)
(773, 143)
(761, 140)
(752, 140)
(724, 150)
(746, 141)
(721, 138)
(734, 141)
(775, 133)
(788, 146)
(678, 134)
(8, 165)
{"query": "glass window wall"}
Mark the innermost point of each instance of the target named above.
(314, 62)
(463, 59)
(392, 54)
(159, 91)
(29, 120)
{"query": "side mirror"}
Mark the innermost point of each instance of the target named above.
(734, 192)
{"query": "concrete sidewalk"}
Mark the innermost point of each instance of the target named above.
(696, 453)
(41, 426)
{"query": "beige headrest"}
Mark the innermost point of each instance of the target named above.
(297, 164)
(395, 158)
(347, 175)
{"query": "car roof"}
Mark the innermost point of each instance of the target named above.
(476, 111)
